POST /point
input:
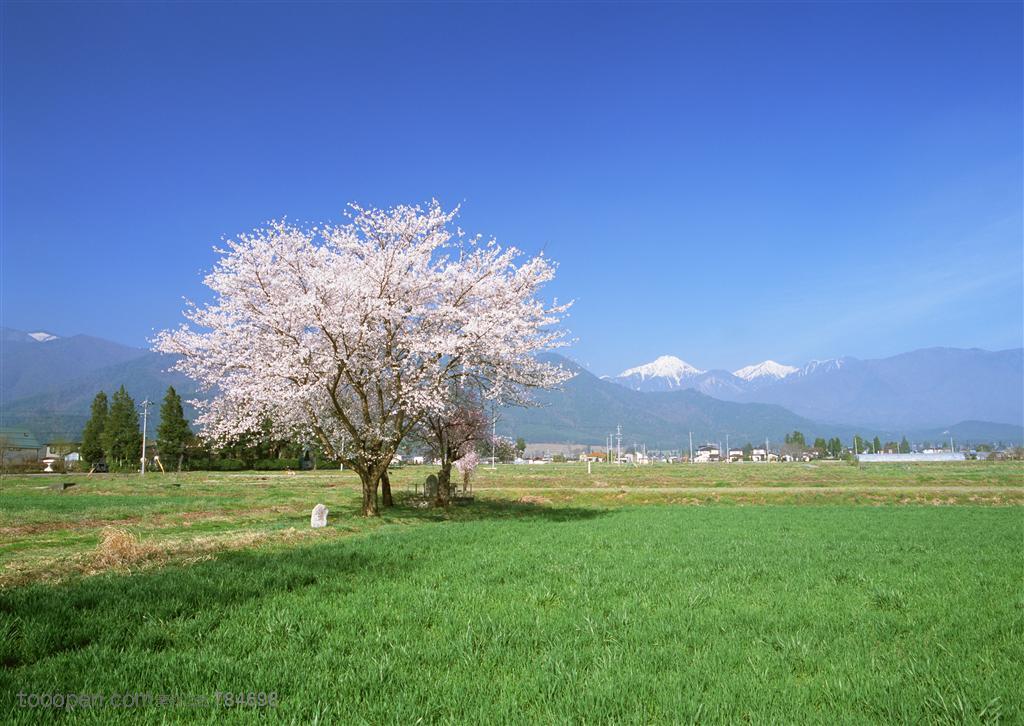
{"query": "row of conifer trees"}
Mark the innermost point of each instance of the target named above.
(113, 433)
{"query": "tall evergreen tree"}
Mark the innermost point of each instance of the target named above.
(876, 445)
(93, 433)
(122, 438)
(904, 446)
(173, 433)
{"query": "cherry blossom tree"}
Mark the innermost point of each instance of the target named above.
(357, 332)
(451, 434)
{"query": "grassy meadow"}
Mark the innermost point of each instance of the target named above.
(759, 593)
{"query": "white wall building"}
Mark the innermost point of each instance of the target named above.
(707, 454)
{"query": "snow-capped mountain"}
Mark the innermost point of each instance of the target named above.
(822, 366)
(664, 373)
(20, 336)
(765, 369)
(915, 389)
(669, 373)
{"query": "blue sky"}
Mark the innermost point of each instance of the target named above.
(723, 182)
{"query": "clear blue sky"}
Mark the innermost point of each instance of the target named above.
(723, 182)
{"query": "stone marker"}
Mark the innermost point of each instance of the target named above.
(319, 517)
(430, 486)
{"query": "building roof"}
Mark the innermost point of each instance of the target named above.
(19, 439)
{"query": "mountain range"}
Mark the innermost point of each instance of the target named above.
(586, 409)
(920, 389)
(47, 383)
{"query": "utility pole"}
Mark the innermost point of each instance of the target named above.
(618, 444)
(691, 447)
(728, 458)
(767, 452)
(145, 421)
(494, 437)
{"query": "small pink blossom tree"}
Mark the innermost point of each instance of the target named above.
(358, 332)
(466, 466)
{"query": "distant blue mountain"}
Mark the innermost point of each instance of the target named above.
(33, 366)
(46, 386)
(588, 408)
(922, 389)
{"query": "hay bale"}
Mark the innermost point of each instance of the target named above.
(118, 547)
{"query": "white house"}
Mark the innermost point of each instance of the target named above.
(763, 455)
(707, 453)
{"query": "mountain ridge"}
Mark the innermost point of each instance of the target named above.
(47, 387)
(918, 389)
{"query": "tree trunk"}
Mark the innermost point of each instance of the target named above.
(181, 460)
(385, 490)
(369, 481)
(444, 483)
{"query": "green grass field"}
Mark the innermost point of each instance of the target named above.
(778, 593)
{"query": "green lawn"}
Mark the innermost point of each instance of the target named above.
(585, 607)
(562, 614)
(47, 534)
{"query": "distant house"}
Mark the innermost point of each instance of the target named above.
(735, 454)
(18, 445)
(707, 453)
(763, 455)
(637, 458)
(595, 456)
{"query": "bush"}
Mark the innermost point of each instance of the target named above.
(228, 465)
(23, 467)
(275, 464)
